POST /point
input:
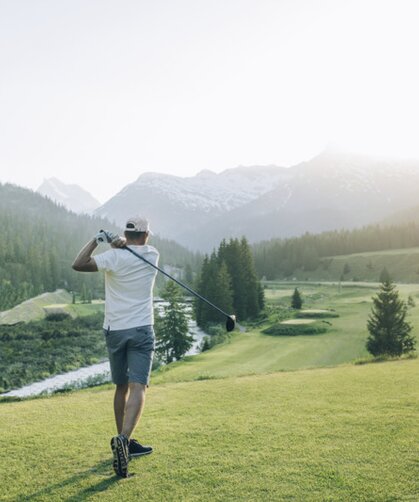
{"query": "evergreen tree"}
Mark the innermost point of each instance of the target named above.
(188, 274)
(251, 283)
(231, 254)
(387, 325)
(84, 294)
(384, 275)
(296, 300)
(346, 269)
(173, 338)
(228, 279)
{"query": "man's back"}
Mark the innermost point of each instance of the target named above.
(129, 284)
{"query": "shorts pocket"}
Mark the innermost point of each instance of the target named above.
(145, 339)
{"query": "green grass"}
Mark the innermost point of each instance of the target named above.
(403, 265)
(37, 307)
(338, 434)
(82, 309)
(33, 309)
(253, 352)
(232, 424)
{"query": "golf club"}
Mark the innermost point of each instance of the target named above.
(230, 319)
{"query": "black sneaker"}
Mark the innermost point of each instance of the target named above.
(135, 449)
(119, 445)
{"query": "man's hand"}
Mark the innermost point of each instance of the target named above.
(118, 242)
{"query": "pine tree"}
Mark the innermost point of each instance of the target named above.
(384, 275)
(251, 283)
(231, 254)
(188, 274)
(173, 338)
(83, 296)
(228, 279)
(296, 300)
(346, 269)
(387, 325)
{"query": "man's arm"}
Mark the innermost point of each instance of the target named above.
(84, 261)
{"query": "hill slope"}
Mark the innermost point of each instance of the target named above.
(345, 434)
(40, 240)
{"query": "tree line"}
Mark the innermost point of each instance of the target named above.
(228, 279)
(279, 258)
(39, 240)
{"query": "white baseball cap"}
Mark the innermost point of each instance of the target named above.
(138, 224)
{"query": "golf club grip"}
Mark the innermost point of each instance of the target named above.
(175, 280)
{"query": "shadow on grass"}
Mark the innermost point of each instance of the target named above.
(384, 358)
(102, 469)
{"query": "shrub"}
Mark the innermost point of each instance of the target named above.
(317, 314)
(57, 316)
(216, 336)
(295, 329)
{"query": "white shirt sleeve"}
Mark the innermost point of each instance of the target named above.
(106, 261)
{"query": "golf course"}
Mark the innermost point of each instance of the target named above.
(257, 418)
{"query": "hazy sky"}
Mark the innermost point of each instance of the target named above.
(96, 92)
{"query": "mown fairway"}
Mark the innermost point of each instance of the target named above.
(342, 434)
(253, 352)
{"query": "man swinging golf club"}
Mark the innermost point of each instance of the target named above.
(128, 328)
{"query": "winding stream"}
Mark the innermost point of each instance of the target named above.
(102, 370)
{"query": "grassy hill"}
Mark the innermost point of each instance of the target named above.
(34, 309)
(403, 265)
(341, 434)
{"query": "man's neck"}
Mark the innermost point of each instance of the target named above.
(131, 242)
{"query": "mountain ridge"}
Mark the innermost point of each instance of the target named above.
(71, 196)
(330, 191)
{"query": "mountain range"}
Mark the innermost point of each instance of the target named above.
(72, 197)
(331, 191)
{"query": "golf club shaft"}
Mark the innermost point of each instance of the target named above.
(177, 282)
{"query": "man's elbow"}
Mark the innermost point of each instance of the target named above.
(76, 266)
(89, 266)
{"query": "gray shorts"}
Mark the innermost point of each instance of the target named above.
(131, 354)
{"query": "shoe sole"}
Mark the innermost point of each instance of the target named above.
(133, 455)
(120, 458)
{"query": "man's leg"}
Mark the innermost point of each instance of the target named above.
(119, 403)
(133, 408)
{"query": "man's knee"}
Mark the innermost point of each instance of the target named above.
(137, 387)
(121, 388)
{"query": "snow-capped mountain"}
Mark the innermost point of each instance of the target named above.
(73, 197)
(331, 191)
(177, 206)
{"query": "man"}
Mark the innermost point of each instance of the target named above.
(128, 328)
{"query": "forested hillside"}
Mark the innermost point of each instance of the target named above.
(278, 258)
(39, 240)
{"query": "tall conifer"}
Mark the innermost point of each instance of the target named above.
(387, 325)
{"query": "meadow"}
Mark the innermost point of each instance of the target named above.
(334, 434)
(259, 418)
(253, 352)
(402, 264)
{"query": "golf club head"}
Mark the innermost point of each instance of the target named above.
(231, 322)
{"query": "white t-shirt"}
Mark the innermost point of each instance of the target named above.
(128, 286)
